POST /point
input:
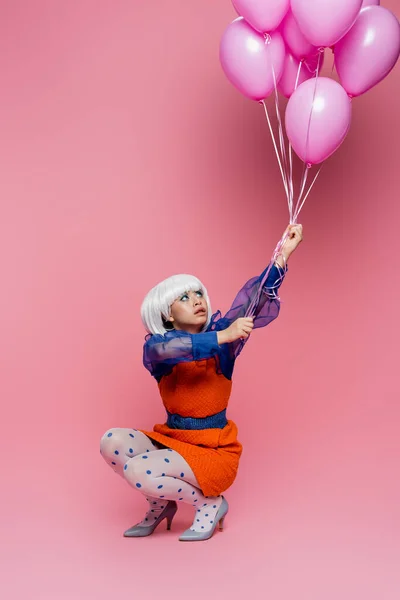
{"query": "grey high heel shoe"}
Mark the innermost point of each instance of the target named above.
(196, 536)
(145, 530)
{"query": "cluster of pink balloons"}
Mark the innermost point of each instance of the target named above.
(280, 43)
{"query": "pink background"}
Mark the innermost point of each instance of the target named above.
(126, 156)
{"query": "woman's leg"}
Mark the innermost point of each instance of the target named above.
(165, 475)
(119, 445)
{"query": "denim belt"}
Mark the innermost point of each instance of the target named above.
(217, 421)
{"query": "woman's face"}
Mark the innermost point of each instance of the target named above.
(189, 312)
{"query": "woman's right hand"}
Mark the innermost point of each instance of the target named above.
(239, 329)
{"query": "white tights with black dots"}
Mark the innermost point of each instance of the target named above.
(158, 474)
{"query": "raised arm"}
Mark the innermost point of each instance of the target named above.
(259, 298)
(263, 297)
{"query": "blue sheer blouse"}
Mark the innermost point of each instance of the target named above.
(162, 352)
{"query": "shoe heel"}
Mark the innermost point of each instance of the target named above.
(170, 516)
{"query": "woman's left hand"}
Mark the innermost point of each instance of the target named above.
(294, 238)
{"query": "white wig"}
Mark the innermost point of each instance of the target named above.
(156, 306)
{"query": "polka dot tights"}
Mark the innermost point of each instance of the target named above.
(160, 475)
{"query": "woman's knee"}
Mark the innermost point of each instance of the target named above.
(111, 440)
(137, 472)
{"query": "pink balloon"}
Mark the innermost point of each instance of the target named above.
(287, 82)
(330, 109)
(370, 3)
(369, 51)
(250, 61)
(298, 45)
(263, 15)
(324, 22)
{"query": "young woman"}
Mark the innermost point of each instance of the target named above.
(191, 353)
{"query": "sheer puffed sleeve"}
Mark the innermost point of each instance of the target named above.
(261, 295)
(162, 352)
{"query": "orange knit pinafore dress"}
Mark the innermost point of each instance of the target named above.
(195, 389)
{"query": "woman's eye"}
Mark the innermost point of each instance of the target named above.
(186, 296)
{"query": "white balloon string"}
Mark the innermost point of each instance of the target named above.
(301, 192)
(309, 190)
(312, 108)
(275, 147)
(292, 218)
(306, 165)
(333, 62)
(301, 63)
(289, 183)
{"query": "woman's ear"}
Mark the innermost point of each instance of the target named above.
(168, 323)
